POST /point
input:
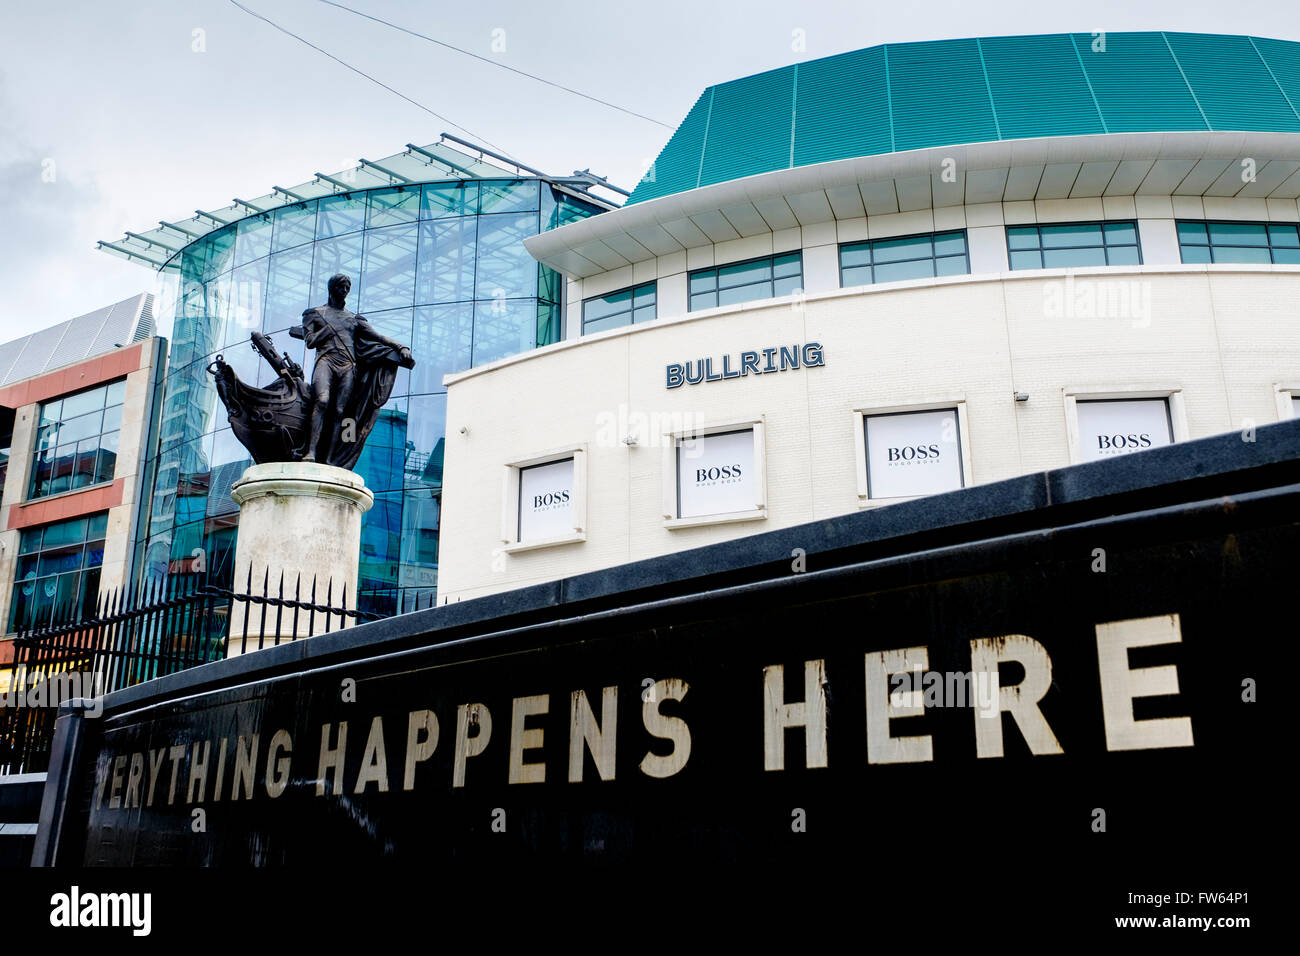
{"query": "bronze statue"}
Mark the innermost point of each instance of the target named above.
(328, 418)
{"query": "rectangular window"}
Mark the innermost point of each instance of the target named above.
(545, 501)
(904, 257)
(624, 307)
(1075, 244)
(56, 577)
(715, 474)
(76, 440)
(1251, 242)
(765, 278)
(1113, 426)
(913, 453)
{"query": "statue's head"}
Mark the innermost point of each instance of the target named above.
(339, 287)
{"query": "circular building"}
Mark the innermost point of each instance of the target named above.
(891, 273)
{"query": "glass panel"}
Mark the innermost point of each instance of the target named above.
(294, 225)
(440, 343)
(1237, 234)
(1122, 233)
(745, 293)
(340, 215)
(1286, 256)
(951, 266)
(74, 405)
(381, 540)
(1192, 232)
(75, 429)
(548, 323)
(705, 281)
(787, 286)
(247, 296)
(1122, 256)
(1022, 237)
(396, 325)
(503, 328)
(859, 276)
(508, 197)
(421, 511)
(450, 199)
(647, 314)
(1072, 234)
(97, 526)
(388, 207)
(334, 256)
(51, 411)
(1026, 260)
(898, 271)
(1283, 235)
(858, 255)
(1240, 254)
(744, 273)
(425, 442)
(644, 295)
(380, 463)
(288, 289)
(252, 238)
(505, 269)
(1066, 258)
(221, 252)
(950, 244)
(388, 273)
(445, 271)
(1194, 254)
(705, 300)
(229, 461)
(786, 265)
(30, 542)
(605, 324)
(106, 464)
(83, 469)
(64, 533)
(604, 306)
(895, 250)
(193, 479)
(66, 558)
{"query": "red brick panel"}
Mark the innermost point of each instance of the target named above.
(73, 505)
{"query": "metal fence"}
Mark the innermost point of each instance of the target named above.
(136, 635)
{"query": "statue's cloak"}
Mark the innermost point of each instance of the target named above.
(377, 362)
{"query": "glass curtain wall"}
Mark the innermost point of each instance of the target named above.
(440, 265)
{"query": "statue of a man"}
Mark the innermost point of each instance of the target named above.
(351, 380)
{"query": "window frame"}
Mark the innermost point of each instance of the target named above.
(716, 267)
(1104, 246)
(1073, 395)
(955, 402)
(631, 310)
(1286, 394)
(512, 481)
(29, 492)
(840, 249)
(11, 623)
(671, 476)
(1209, 243)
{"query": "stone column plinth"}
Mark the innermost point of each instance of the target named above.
(301, 519)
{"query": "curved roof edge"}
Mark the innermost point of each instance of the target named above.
(1203, 163)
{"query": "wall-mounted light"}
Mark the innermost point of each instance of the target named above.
(464, 429)
(630, 440)
(1022, 396)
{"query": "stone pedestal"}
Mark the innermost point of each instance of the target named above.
(301, 519)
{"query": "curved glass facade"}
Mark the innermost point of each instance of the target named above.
(440, 265)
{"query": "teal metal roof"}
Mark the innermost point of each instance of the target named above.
(904, 96)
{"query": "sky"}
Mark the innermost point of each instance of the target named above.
(115, 114)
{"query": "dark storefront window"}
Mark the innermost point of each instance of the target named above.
(57, 573)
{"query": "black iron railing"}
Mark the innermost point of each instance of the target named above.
(137, 635)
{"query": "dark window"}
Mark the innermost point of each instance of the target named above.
(624, 307)
(76, 440)
(1074, 244)
(57, 573)
(1261, 242)
(764, 278)
(904, 257)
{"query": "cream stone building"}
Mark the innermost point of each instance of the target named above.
(841, 286)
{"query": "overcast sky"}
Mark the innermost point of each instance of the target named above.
(137, 125)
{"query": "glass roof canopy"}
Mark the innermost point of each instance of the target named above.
(155, 247)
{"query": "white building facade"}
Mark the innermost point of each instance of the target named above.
(812, 339)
